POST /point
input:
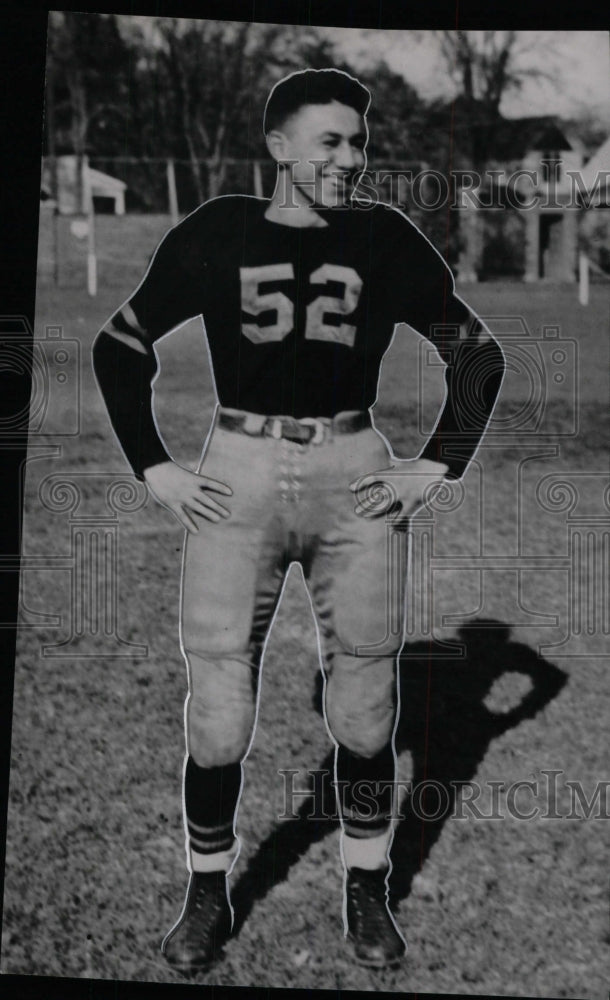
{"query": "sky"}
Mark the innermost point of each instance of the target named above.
(579, 62)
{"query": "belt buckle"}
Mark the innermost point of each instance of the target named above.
(253, 424)
(317, 426)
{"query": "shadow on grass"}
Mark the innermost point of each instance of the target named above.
(285, 845)
(445, 725)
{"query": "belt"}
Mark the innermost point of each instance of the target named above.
(305, 430)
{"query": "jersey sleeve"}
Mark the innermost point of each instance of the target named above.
(473, 358)
(124, 361)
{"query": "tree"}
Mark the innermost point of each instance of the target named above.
(396, 117)
(205, 63)
(88, 72)
(200, 88)
(485, 66)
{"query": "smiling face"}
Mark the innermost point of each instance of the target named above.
(323, 149)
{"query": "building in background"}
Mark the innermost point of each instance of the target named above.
(523, 220)
(595, 198)
(75, 178)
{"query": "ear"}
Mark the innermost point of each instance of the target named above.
(277, 144)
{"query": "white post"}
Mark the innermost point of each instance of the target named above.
(258, 179)
(91, 254)
(55, 197)
(583, 283)
(171, 192)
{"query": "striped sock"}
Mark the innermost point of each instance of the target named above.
(366, 792)
(210, 799)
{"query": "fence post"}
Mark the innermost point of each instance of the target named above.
(172, 194)
(55, 217)
(583, 282)
(258, 179)
(89, 207)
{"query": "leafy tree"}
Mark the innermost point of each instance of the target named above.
(89, 68)
(201, 88)
(195, 90)
(485, 66)
(396, 117)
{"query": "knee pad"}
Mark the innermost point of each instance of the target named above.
(361, 703)
(220, 711)
(216, 738)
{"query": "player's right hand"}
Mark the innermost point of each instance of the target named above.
(186, 494)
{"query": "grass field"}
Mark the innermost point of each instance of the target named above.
(95, 871)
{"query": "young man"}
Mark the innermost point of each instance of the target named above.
(299, 296)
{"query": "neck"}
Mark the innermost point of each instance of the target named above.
(290, 207)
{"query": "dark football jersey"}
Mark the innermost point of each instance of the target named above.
(297, 320)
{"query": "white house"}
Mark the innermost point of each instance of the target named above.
(72, 189)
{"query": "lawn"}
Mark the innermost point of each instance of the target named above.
(503, 679)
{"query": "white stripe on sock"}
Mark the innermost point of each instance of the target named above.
(216, 862)
(368, 852)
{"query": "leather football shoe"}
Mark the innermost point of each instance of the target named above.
(196, 940)
(370, 926)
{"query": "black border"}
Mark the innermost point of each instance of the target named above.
(399, 14)
(22, 71)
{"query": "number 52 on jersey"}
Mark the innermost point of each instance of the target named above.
(254, 302)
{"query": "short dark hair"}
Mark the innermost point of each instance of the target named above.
(313, 86)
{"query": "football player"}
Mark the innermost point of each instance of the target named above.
(299, 296)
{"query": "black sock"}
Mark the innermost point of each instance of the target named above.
(365, 789)
(210, 795)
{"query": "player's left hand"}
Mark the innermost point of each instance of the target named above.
(399, 490)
